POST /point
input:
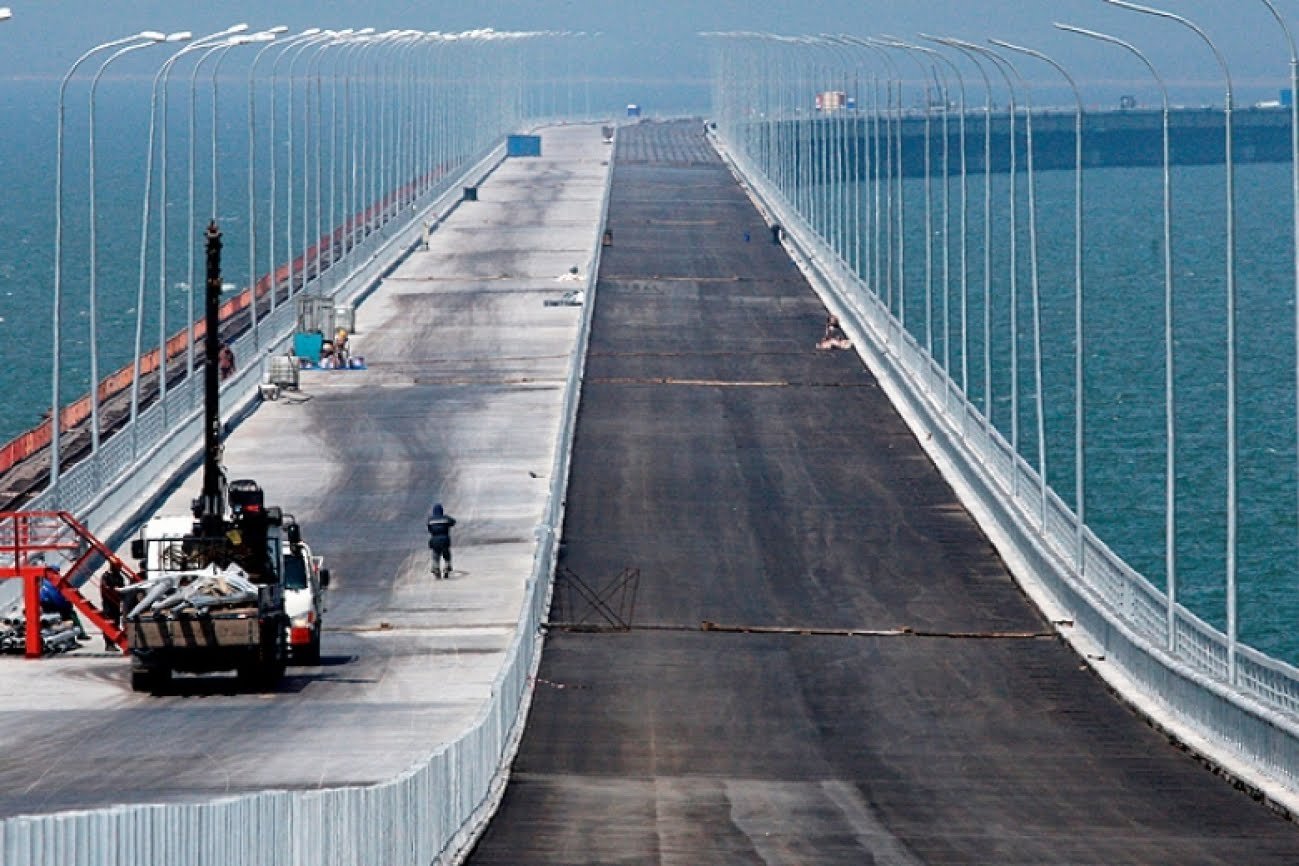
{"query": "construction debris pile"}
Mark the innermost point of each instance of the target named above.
(200, 592)
(573, 298)
(57, 634)
(834, 336)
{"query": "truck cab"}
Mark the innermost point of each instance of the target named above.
(305, 581)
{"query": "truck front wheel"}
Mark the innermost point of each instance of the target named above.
(311, 652)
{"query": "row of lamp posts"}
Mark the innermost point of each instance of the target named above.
(759, 94)
(386, 115)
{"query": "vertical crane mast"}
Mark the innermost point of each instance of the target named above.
(211, 511)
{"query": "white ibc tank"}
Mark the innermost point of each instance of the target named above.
(283, 371)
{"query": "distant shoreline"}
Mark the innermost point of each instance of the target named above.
(1111, 139)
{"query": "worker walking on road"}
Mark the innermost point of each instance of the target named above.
(439, 539)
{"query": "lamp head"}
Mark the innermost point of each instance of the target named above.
(6, 13)
(237, 28)
(152, 36)
(180, 36)
(278, 29)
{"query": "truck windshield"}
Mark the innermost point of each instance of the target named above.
(295, 573)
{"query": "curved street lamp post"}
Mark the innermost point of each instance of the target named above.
(163, 125)
(1233, 515)
(150, 38)
(252, 190)
(1170, 473)
(56, 409)
(272, 268)
(987, 218)
(964, 245)
(929, 198)
(1294, 174)
(1079, 443)
(145, 218)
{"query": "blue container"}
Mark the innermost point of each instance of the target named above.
(307, 346)
(523, 145)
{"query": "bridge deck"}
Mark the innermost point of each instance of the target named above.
(756, 482)
(461, 402)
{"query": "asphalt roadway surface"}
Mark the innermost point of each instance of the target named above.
(755, 482)
(461, 402)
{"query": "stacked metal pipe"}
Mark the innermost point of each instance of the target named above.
(200, 591)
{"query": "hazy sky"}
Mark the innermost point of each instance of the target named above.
(654, 39)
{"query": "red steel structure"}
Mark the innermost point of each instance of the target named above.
(29, 540)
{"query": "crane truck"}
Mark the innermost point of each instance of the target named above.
(210, 600)
(212, 594)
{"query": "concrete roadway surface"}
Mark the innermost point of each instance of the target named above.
(461, 403)
(757, 482)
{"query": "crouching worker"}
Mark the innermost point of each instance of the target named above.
(53, 601)
(439, 539)
(834, 337)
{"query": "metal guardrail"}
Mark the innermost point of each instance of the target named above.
(1112, 614)
(454, 792)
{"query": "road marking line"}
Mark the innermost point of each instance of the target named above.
(808, 631)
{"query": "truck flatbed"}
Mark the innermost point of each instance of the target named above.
(220, 628)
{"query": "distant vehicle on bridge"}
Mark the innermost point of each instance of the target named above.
(828, 101)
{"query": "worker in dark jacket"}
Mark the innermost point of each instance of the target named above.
(439, 539)
(110, 592)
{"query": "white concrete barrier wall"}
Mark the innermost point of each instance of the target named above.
(431, 814)
(1114, 617)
